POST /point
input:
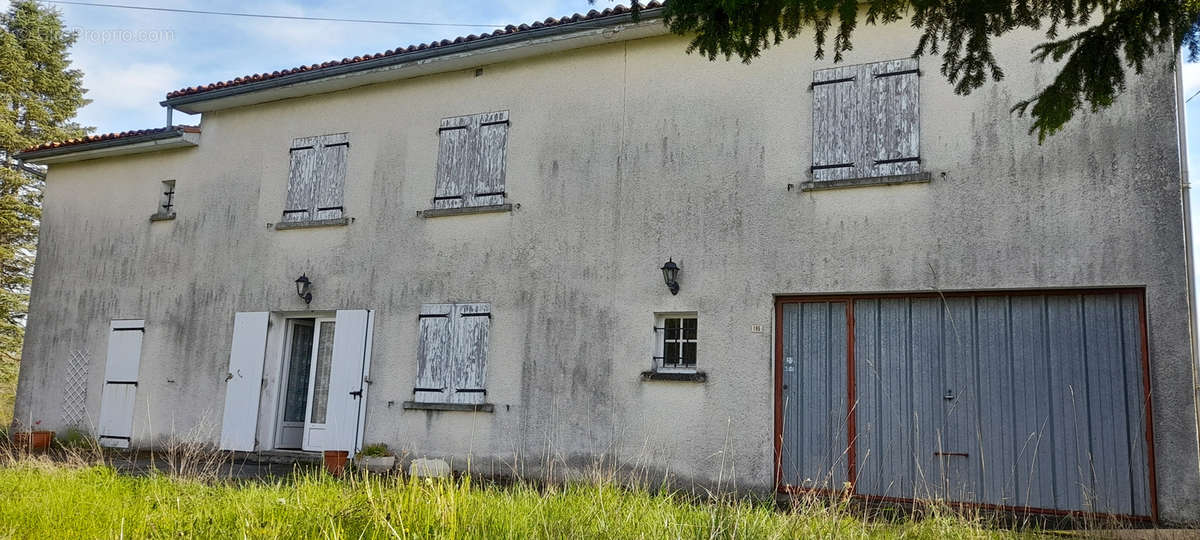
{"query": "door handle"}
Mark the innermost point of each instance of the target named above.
(356, 393)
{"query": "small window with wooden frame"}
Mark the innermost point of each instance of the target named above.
(676, 349)
(166, 202)
(471, 163)
(316, 180)
(866, 125)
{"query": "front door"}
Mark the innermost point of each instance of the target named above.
(296, 378)
(317, 419)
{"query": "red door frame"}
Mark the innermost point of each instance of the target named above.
(851, 426)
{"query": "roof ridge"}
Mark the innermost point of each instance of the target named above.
(591, 15)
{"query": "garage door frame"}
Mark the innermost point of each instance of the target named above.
(849, 300)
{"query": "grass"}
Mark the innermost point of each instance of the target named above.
(45, 499)
(8, 388)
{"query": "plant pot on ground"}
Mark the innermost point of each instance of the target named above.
(32, 440)
(335, 461)
(376, 458)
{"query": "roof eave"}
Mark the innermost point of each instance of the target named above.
(524, 44)
(151, 142)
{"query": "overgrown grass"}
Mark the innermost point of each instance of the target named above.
(44, 499)
(8, 389)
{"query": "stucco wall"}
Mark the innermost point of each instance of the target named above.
(619, 156)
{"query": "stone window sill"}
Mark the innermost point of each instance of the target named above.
(428, 406)
(338, 222)
(915, 178)
(675, 376)
(162, 217)
(442, 212)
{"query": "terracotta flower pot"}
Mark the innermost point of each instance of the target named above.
(33, 440)
(335, 461)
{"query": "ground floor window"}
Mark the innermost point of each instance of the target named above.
(677, 341)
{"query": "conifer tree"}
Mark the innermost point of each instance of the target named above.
(39, 95)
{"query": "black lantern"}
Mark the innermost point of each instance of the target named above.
(304, 288)
(670, 272)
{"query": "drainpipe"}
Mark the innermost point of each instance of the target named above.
(1186, 191)
(170, 110)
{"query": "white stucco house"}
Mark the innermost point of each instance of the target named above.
(882, 286)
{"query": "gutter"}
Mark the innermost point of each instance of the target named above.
(415, 57)
(159, 140)
(1185, 191)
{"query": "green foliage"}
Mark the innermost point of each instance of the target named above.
(75, 439)
(39, 94)
(375, 450)
(51, 501)
(1107, 37)
(8, 389)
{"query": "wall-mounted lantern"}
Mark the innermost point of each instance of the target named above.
(670, 273)
(304, 288)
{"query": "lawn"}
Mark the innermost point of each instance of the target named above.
(44, 499)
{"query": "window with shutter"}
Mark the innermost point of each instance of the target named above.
(470, 353)
(866, 121)
(471, 161)
(316, 178)
(452, 353)
(433, 353)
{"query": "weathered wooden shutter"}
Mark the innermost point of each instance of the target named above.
(836, 123)
(468, 376)
(334, 152)
(866, 120)
(433, 353)
(493, 138)
(455, 168)
(893, 141)
(302, 173)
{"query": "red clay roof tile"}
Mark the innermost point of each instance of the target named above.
(110, 136)
(510, 29)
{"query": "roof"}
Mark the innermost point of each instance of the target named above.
(592, 18)
(149, 138)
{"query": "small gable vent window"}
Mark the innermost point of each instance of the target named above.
(866, 121)
(452, 351)
(316, 177)
(470, 166)
(166, 202)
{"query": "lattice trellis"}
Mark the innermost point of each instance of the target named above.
(75, 389)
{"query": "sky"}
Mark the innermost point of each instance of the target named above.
(131, 58)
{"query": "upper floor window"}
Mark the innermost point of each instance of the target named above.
(866, 121)
(470, 167)
(316, 177)
(452, 351)
(166, 202)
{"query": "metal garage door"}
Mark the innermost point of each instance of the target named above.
(1018, 400)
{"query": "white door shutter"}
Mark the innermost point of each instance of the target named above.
(493, 139)
(346, 379)
(455, 166)
(893, 137)
(244, 381)
(836, 122)
(470, 353)
(433, 354)
(120, 383)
